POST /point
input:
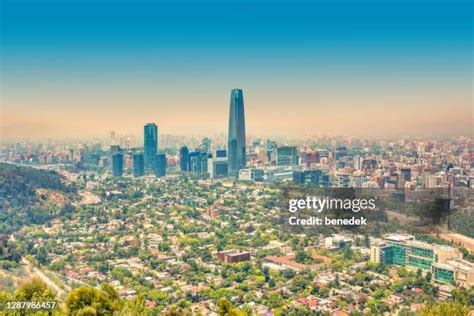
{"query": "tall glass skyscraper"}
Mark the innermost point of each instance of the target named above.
(150, 144)
(117, 164)
(138, 165)
(184, 159)
(160, 165)
(236, 136)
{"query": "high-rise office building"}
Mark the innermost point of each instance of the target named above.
(138, 165)
(236, 134)
(287, 156)
(203, 161)
(184, 159)
(115, 149)
(194, 162)
(217, 167)
(270, 149)
(95, 159)
(206, 145)
(117, 164)
(198, 162)
(160, 165)
(316, 178)
(150, 144)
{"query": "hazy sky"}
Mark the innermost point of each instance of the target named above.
(83, 68)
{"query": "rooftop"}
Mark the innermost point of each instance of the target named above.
(461, 264)
(399, 237)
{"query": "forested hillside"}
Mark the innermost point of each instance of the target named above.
(21, 202)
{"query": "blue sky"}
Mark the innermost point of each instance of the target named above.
(167, 54)
(244, 30)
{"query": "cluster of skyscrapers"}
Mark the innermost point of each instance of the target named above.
(222, 163)
(150, 159)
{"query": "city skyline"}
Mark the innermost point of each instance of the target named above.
(366, 127)
(364, 69)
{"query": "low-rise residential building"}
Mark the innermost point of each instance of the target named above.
(232, 256)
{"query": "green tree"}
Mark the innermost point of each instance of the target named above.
(225, 308)
(348, 252)
(428, 277)
(445, 308)
(35, 290)
(135, 307)
(120, 273)
(86, 300)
